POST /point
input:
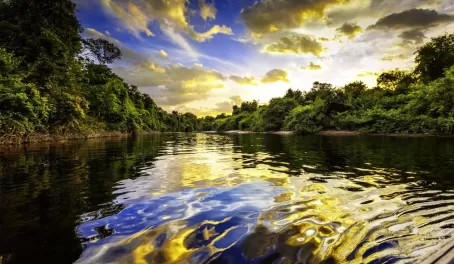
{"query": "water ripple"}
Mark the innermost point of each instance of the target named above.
(195, 198)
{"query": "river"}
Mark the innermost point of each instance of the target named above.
(212, 198)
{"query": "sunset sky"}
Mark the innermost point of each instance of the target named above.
(204, 56)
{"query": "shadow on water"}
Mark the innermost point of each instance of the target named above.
(227, 199)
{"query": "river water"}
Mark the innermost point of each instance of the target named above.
(210, 198)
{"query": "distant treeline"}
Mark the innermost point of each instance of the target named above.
(48, 85)
(416, 101)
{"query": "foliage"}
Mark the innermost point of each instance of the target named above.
(435, 57)
(104, 51)
(396, 80)
(45, 34)
(22, 108)
(402, 102)
(273, 115)
(47, 86)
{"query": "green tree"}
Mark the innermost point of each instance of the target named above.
(104, 51)
(435, 57)
(22, 108)
(396, 80)
(278, 108)
(45, 34)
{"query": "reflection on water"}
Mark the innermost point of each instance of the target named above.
(197, 198)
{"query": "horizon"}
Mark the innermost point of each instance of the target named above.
(205, 56)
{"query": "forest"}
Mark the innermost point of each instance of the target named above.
(420, 100)
(49, 85)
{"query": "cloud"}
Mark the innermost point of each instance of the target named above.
(163, 55)
(171, 15)
(276, 75)
(127, 55)
(169, 86)
(413, 18)
(131, 16)
(349, 30)
(312, 67)
(295, 44)
(207, 11)
(412, 37)
(236, 99)
(269, 16)
(216, 29)
(153, 67)
(180, 41)
(366, 10)
(224, 107)
(176, 85)
(395, 57)
(247, 80)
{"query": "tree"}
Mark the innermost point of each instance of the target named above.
(236, 110)
(435, 57)
(294, 94)
(22, 108)
(249, 107)
(318, 90)
(104, 51)
(277, 110)
(45, 34)
(355, 89)
(396, 80)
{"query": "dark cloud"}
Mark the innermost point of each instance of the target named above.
(413, 18)
(395, 57)
(270, 16)
(295, 44)
(349, 30)
(312, 67)
(411, 37)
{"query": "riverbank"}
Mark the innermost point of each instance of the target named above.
(357, 133)
(330, 133)
(41, 137)
(63, 137)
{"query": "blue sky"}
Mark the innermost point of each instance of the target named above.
(204, 56)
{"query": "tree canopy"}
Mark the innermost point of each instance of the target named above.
(104, 51)
(435, 57)
(404, 101)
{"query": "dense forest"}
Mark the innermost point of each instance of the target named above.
(420, 100)
(54, 81)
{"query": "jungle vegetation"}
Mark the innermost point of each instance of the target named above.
(420, 100)
(48, 85)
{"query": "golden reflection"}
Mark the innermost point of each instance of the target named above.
(181, 242)
(340, 217)
(284, 197)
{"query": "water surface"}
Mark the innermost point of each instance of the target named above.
(197, 198)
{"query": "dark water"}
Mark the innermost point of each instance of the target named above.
(196, 198)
